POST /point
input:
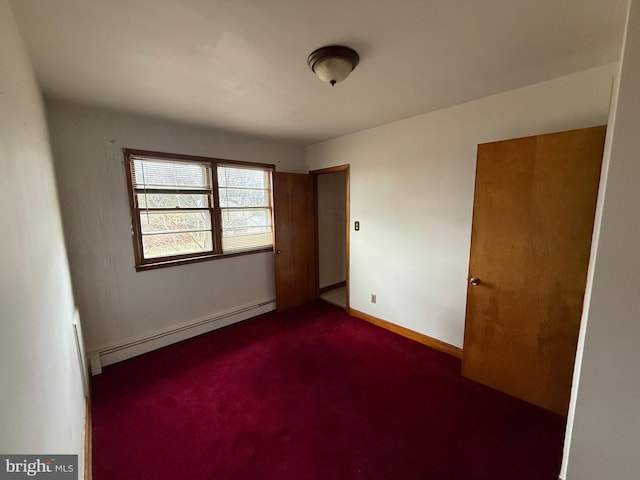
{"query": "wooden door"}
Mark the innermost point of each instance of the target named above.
(295, 268)
(533, 216)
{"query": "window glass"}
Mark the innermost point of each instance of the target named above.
(176, 218)
(245, 202)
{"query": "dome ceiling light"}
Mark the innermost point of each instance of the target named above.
(333, 63)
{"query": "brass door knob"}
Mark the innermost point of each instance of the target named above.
(474, 281)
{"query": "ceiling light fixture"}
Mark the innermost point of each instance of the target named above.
(333, 63)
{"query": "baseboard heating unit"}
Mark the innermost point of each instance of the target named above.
(117, 353)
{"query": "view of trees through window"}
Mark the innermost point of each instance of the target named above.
(174, 207)
(177, 215)
(245, 201)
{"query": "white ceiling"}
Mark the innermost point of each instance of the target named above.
(240, 65)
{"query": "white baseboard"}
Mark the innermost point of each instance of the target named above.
(132, 348)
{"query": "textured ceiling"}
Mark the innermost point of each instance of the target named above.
(240, 65)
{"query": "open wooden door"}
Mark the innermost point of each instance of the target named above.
(295, 268)
(533, 217)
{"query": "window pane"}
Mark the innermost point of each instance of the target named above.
(165, 222)
(168, 174)
(246, 218)
(243, 177)
(247, 228)
(245, 242)
(243, 191)
(243, 197)
(164, 245)
(161, 200)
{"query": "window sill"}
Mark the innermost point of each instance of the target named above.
(202, 258)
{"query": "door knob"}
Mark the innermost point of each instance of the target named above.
(278, 252)
(474, 281)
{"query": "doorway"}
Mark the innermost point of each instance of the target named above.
(331, 212)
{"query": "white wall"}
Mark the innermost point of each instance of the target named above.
(332, 200)
(41, 389)
(117, 303)
(605, 439)
(412, 187)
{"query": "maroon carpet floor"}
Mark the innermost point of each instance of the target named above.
(311, 394)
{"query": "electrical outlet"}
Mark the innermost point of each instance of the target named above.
(373, 298)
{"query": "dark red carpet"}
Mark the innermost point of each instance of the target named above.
(311, 394)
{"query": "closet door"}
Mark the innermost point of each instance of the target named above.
(533, 217)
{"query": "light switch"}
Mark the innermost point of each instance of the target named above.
(357, 225)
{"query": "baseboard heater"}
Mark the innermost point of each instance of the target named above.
(117, 353)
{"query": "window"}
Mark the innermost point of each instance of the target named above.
(187, 209)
